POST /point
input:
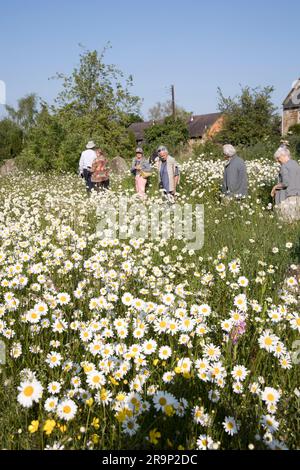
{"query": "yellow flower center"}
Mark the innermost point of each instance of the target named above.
(28, 391)
(162, 401)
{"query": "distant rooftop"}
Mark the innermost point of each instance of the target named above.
(197, 125)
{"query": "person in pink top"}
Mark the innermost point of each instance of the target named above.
(139, 165)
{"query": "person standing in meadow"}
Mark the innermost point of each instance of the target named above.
(287, 191)
(168, 172)
(235, 180)
(100, 171)
(140, 169)
(85, 164)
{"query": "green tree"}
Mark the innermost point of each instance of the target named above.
(294, 139)
(172, 133)
(42, 151)
(162, 110)
(25, 114)
(10, 139)
(248, 118)
(95, 103)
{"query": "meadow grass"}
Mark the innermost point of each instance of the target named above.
(245, 275)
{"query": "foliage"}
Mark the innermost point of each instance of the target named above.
(248, 118)
(10, 139)
(94, 104)
(42, 151)
(26, 113)
(162, 110)
(294, 141)
(259, 151)
(172, 133)
(294, 129)
(78, 314)
(208, 150)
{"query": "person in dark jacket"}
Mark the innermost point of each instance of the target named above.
(235, 181)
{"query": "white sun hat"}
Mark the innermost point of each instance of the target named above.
(90, 145)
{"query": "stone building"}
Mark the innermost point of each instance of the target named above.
(291, 108)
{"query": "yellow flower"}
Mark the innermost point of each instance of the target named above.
(62, 427)
(169, 410)
(49, 426)
(169, 443)
(177, 370)
(186, 375)
(95, 423)
(154, 435)
(155, 362)
(33, 427)
(121, 416)
(89, 402)
(95, 438)
(120, 397)
(113, 381)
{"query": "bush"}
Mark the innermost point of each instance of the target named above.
(173, 133)
(249, 118)
(94, 104)
(259, 151)
(208, 151)
(10, 139)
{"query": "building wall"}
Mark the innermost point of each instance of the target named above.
(214, 129)
(290, 117)
(209, 134)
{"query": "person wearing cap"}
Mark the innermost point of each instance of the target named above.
(168, 172)
(85, 164)
(139, 165)
(287, 191)
(235, 181)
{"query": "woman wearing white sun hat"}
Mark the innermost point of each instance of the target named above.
(85, 163)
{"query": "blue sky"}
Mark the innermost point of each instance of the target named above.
(195, 45)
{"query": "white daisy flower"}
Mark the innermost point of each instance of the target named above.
(230, 426)
(67, 410)
(30, 392)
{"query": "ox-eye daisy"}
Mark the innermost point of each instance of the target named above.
(30, 392)
(50, 404)
(164, 352)
(54, 387)
(95, 379)
(270, 395)
(239, 373)
(67, 410)
(230, 425)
